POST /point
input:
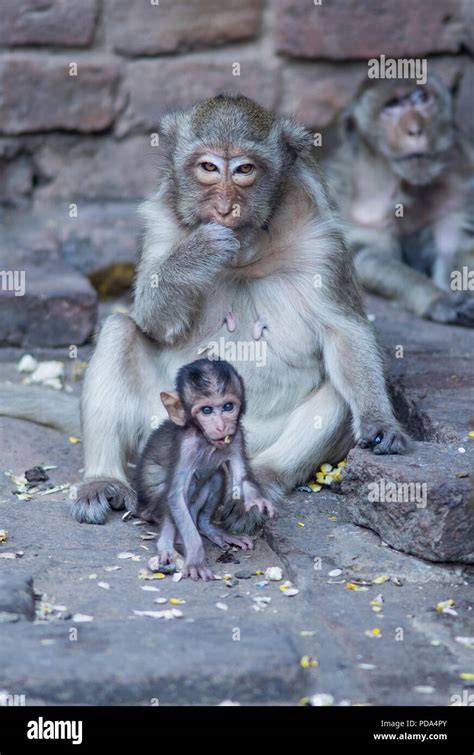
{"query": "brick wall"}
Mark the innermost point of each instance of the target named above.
(85, 138)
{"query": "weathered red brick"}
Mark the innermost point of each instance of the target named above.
(316, 92)
(153, 88)
(57, 23)
(59, 305)
(353, 29)
(38, 94)
(16, 180)
(146, 29)
(75, 168)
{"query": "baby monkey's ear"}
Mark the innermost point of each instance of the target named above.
(174, 407)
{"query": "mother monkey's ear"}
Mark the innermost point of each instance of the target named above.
(173, 125)
(297, 138)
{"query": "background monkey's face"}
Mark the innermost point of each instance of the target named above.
(410, 124)
(217, 417)
(224, 183)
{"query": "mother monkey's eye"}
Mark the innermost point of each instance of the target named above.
(209, 167)
(245, 169)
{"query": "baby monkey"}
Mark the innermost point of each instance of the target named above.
(181, 476)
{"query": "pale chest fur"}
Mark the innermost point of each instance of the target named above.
(274, 342)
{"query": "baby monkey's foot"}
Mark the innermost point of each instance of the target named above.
(226, 540)
(197, 571)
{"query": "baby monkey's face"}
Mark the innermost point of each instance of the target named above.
(218, 418)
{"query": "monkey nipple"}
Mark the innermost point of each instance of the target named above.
(229, 319)
(258, 328)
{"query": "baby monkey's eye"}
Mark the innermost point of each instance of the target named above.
(206, 409)
(391, 103)
(228, 407)
(419, 95)
(245, 169)
(209, 167)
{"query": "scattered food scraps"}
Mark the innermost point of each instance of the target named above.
(177, 601)
(322, 699)
(446, 606)
(3, 536)
(467, 676)
(378, 601)
(27, 364)
(78, 368)
(376, 632)
(36, 474)
(171, 613)
(56, 489)
(227, 558)
(49, 374)
(222, 606)
(273, 573)
(128, 555)
(103, 585)
(380, 580)
(308, 662)
(73, 440)
(144, 574)
(468, 642)
(353, 586)
(78, 617)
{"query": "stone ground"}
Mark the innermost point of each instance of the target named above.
(249, 653)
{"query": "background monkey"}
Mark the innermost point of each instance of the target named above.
(201, 435)
(241, 224)
(400, 149)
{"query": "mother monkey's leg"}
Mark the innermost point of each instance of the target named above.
(121, 394)
(318, 430)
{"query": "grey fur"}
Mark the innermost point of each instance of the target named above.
(408, 258)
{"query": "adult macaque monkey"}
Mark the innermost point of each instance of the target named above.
(240, 243)
(201, 439)
(404, 185)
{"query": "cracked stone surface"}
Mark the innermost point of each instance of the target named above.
(250, 651)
